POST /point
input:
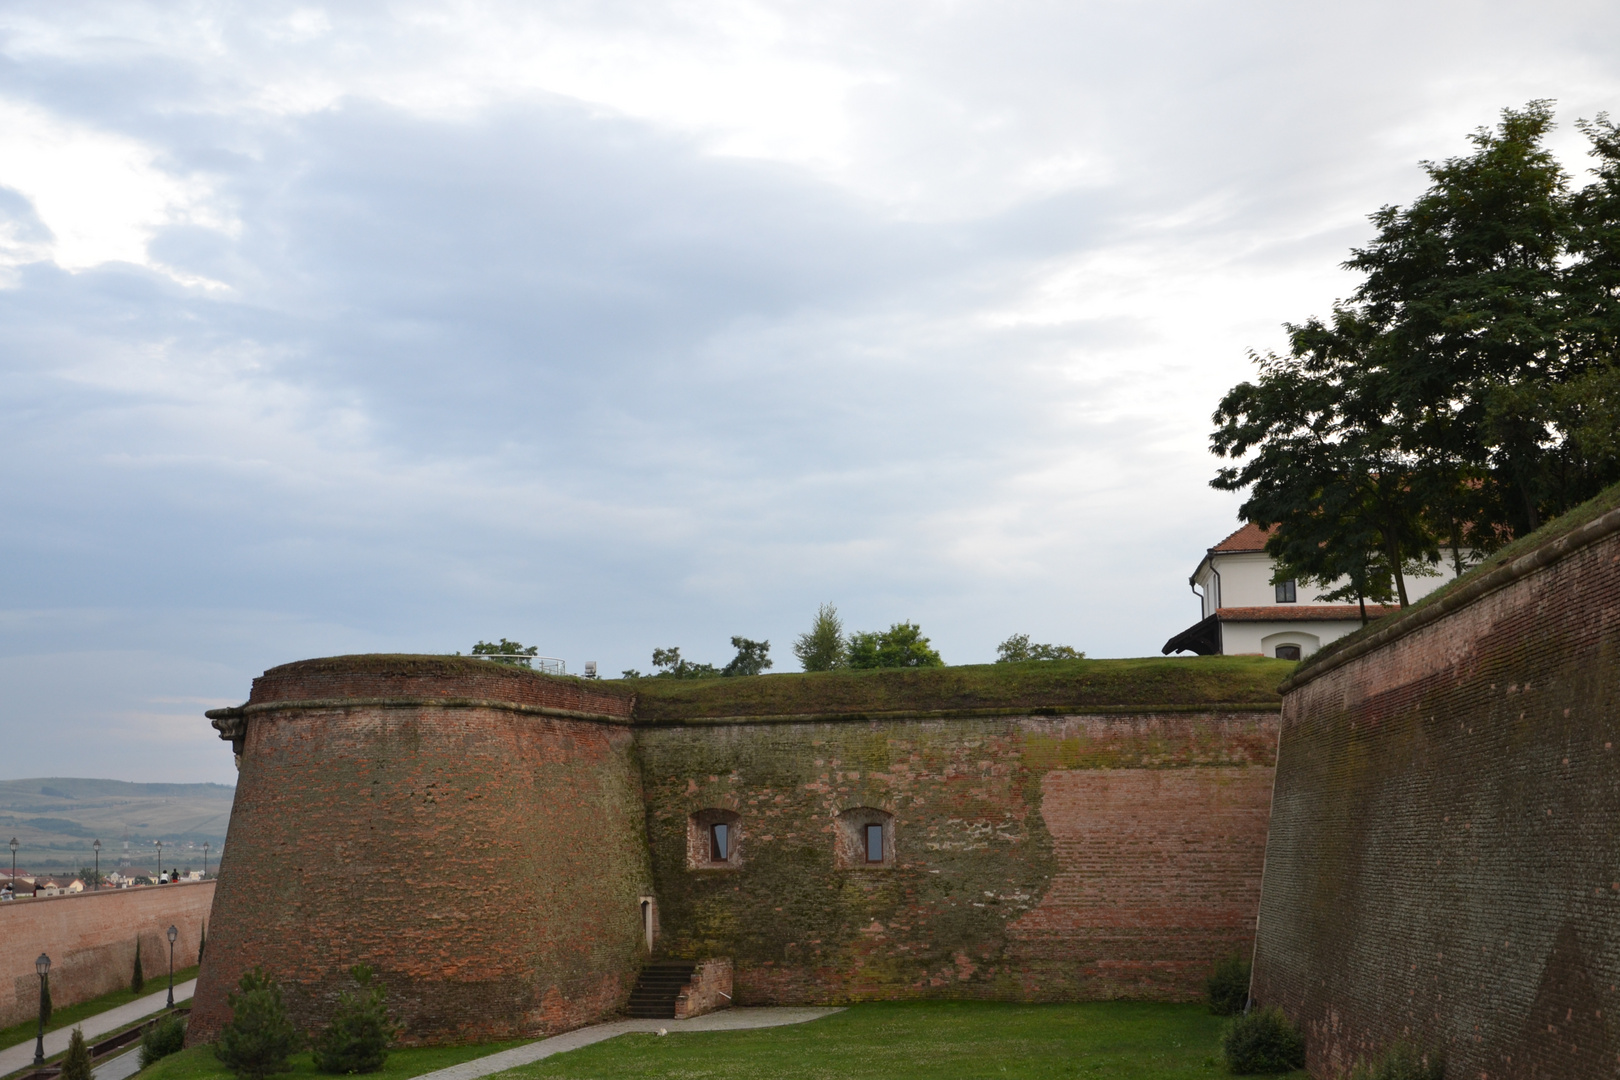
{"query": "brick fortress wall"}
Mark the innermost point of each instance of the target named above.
(1033, 858)
(90, 938)
(1444, 862)
(471, 831)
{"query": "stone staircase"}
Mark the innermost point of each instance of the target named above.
(658, 986)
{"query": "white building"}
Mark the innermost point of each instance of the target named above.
(1243, 613)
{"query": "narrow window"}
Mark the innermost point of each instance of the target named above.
(720, 840)
(874, 843)
(1288, 652)
(1285, 592)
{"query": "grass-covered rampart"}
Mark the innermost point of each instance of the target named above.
(1034, 686)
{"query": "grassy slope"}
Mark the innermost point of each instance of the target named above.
(199, 1063)
(1105, 1040)
(68, 1015)
(1590, 510)
(1187, 681)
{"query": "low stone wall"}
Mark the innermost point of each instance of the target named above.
(90, 938)
(1443, 866)
(710, 989)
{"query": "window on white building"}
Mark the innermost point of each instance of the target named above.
(1285, 593)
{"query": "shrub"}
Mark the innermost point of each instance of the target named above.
(1228, 986)
(76, 1063)
(1403, 1062)
(167, 1036)
(138, 982)
(357, 1039)
(260, 1036)
(1263, 1041)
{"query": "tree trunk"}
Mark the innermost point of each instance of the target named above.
(1395, 564)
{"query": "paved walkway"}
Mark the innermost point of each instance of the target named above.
(21, 1056)
(119, 1068)
(724, 1020)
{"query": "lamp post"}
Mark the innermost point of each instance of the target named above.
(160, 858)
(205, 860)
(173, 933)
(97, 846)
(43, 966)
(13, 863)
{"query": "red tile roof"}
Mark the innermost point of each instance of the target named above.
(1250, 537)
(1302, 613)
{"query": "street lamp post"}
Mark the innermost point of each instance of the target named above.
(97, 846)
(160, 859)
(43, 966)
(13, 863)
(173, 933)
(205, 860)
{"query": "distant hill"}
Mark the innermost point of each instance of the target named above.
(55, 818)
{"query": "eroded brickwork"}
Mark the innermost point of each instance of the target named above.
(90, 938)
(486, 862)
(1444, 861)
(1034, 858)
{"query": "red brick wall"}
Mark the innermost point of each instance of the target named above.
(90, 938)
(486, 862)
(1035, 858)
(1444, 858)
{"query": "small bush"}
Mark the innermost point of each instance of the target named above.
(167, 1036)
(260, 1036)
(76, 1063)
(1263, 1042)
(1403, 1061)
(1228, 986)
(357, 1039)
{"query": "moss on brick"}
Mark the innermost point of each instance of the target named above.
(1030, 687)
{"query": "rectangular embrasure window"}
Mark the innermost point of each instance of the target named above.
(719, 842)
(874, 843)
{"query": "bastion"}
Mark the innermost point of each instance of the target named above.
(507, 848)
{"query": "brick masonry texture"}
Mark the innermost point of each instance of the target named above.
(1444, 864)
(90, 938)
(482, 836)
(1035, 858)
(709, 989)
(485, 862)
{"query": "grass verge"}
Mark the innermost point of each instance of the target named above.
(199, 1062)
(1105, 1040)
(69, 1015)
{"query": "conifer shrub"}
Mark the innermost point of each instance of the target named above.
(1263, 1042)
(76, 1062)
(260, 1037)
(202, 945)
(357, 1039)
(138, 982)
(1227, 987)
(1402, 1061)
(167, 1036)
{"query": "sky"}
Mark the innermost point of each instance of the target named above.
(605, 327)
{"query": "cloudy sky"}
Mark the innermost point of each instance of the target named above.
(610, 326)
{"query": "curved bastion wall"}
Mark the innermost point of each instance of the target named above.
(472, 832)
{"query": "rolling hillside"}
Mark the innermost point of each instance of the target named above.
(55, 819)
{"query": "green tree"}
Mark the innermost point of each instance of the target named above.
(260, 1036)
(901, 645)
(1018, 648)
(167, 1036)
(137, 982)
(752, 658)
(822, 648)
(506, 652)
(359, 1035)
(672, 665)
(45, 1007)
(76, 1062)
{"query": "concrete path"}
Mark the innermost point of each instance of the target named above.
(21, 1056)
(724, 1020)
(120, 1067)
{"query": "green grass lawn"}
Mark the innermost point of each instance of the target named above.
(199, 1063)
(68, 1015)
(1106, 1040)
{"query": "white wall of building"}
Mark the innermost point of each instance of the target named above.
(1243, 579)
